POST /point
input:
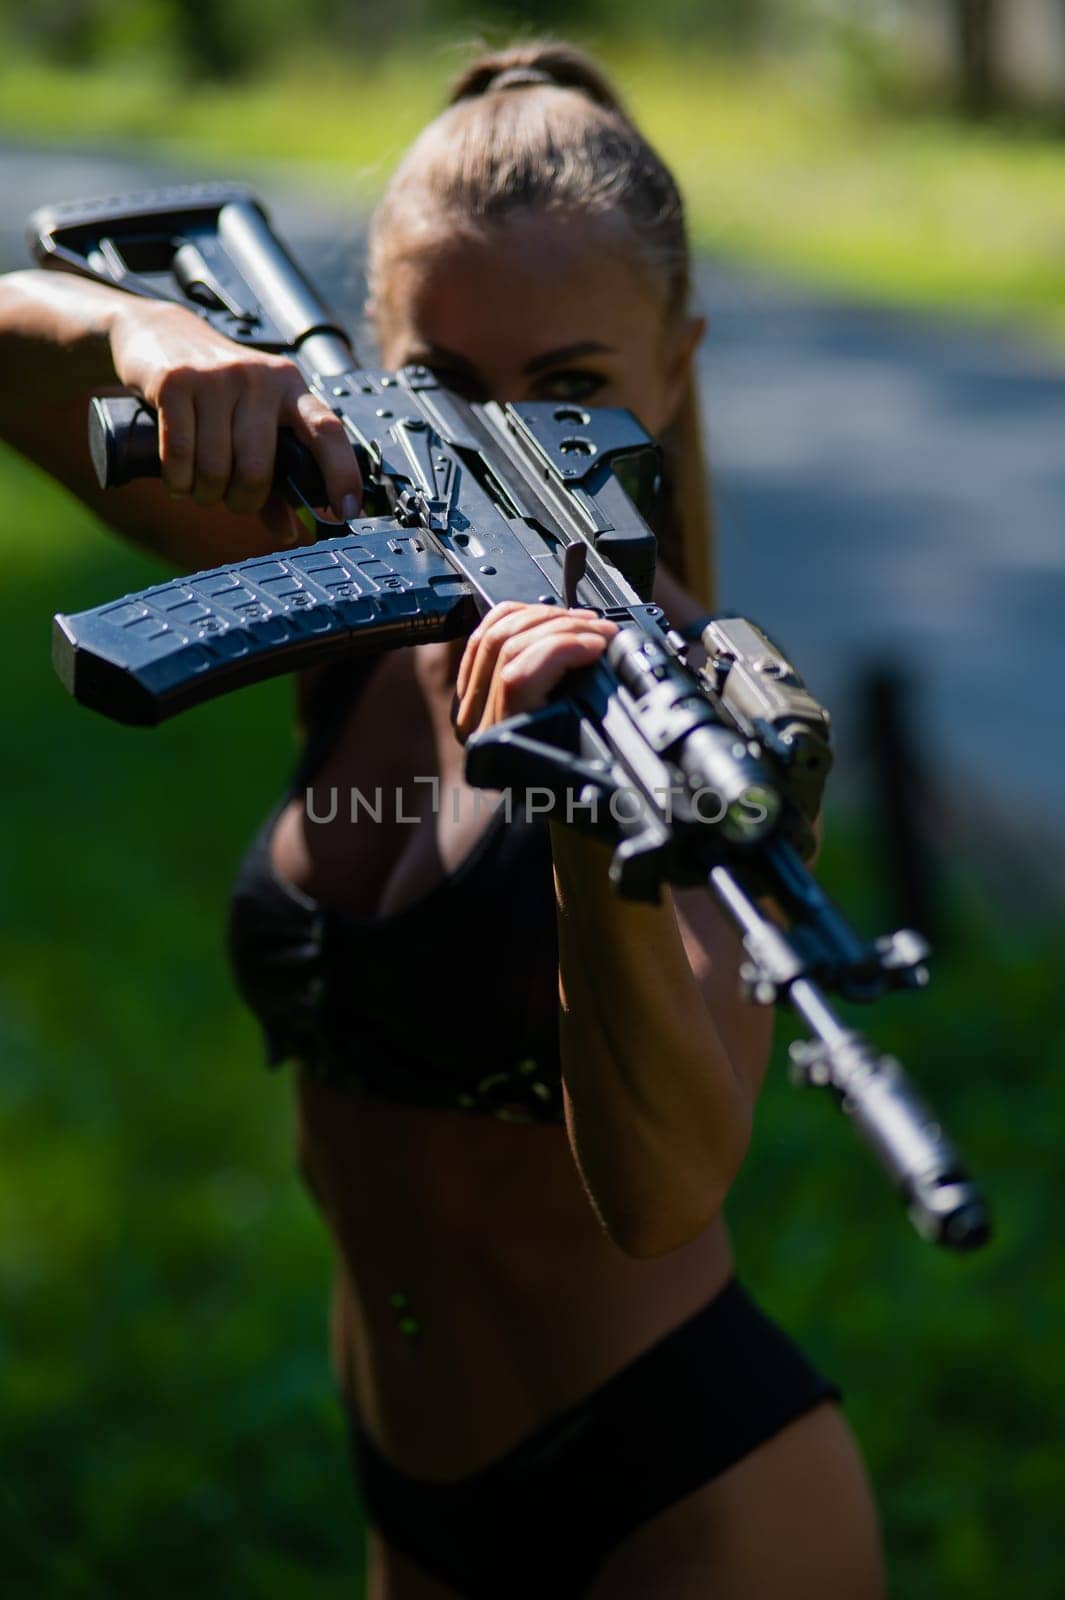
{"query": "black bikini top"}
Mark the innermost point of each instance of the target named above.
(450, 1002)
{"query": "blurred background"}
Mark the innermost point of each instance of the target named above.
(876, 193)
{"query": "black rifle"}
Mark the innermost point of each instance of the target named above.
(708, 777)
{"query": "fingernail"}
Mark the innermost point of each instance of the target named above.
(349, 507)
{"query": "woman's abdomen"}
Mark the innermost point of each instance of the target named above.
(477, 1292)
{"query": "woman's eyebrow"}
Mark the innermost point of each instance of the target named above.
(568, 352)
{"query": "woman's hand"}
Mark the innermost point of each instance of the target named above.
(516, 655)
(220, 407)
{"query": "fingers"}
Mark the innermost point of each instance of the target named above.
(218, 436)
(506, 608)
(505, 621)
(177, 439)
(527, 679)
(322, 431)
(220, 408)
(214, 446)
(254, 443)
(497, 638)
(517, 655)
(217, 439)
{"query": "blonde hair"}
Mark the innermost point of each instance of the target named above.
(539, 125)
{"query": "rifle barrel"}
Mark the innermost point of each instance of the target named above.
(907, 1139)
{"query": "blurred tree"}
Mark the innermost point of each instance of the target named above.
(62, 29)
(735, 22)
(738, 23)
(210, 38)
(223, 39)
(501, 17)
(976, 43)
(214, 39)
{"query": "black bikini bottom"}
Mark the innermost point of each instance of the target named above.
(542, 1519)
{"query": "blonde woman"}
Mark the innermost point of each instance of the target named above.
(520, 1101)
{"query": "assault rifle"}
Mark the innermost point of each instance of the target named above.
(710, 776)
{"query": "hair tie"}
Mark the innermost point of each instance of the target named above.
(520, 78)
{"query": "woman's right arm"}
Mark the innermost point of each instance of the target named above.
(64, 339)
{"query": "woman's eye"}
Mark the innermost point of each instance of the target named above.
(571, 385)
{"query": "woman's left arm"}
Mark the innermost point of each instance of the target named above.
(661, 1060)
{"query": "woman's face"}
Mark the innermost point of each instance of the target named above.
(541, 306)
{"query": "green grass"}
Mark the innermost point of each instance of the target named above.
(166, 1414)
(167, 1423)
(781, 166)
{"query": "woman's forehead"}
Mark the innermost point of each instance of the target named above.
(540, 279)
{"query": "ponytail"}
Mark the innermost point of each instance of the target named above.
(525, 65)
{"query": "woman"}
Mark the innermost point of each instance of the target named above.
(556, 1384)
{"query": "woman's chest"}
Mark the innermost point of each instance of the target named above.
(388, 814)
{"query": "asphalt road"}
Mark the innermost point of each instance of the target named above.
(890, 487)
